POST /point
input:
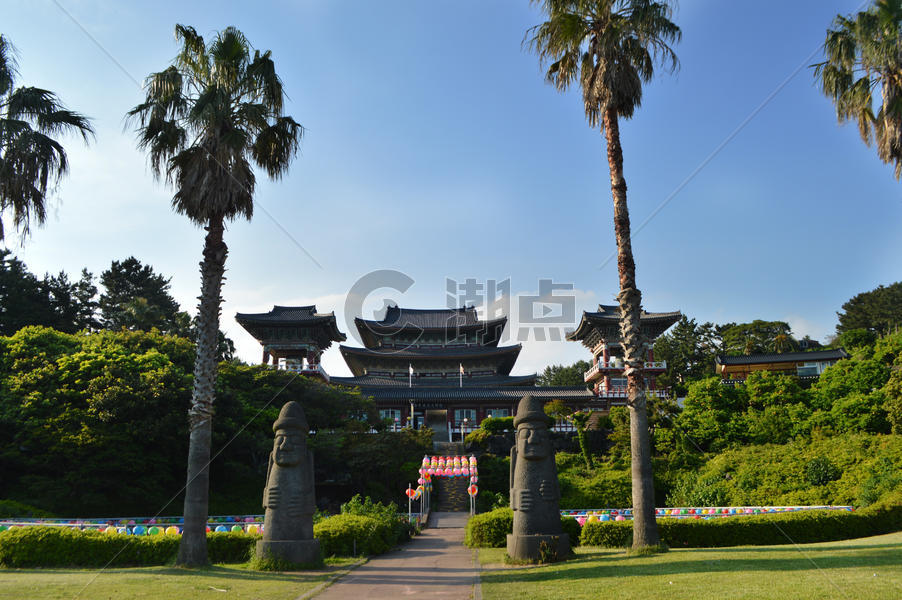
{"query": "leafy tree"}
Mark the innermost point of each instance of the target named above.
(611, 47)
(137, 298)
(52, 302)
(877, 311)
(712, 416)
(863, 76)
(846, 377)
(557, 409)
(205, 117)
(559, 375)
(30, 159)
(757, 337)
(689, 350)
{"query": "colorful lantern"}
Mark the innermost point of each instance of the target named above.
(472, 461)
(110, 529)
(472, 490)
(172, 530)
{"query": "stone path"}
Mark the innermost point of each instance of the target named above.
(435, 564)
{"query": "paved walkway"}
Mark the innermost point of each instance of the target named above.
(435, 564)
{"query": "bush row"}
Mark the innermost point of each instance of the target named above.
(489, 530)
(43, 546)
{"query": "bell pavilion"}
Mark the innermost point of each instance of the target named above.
(293, 337)
(600, 332)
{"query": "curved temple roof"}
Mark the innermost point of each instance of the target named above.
(605, 324)
(452, 321)
(291, 316)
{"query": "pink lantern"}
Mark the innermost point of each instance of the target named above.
(464, 471)
(421, 481)
(447, 472)
(472, 490)
(472, 461)
(474, 479)
(619, 518)
(581, 521)
(455, 471)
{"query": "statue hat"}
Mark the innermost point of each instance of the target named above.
(530, 410)
(291, 417)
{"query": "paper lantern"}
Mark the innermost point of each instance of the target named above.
(464, 471)
(425, 461)
(410, 492)
(172, 530)
(605, 518)
(581, 521)
(139, 530)
(472, 461)
(253, 529)
(110, 529)
(221, 529)
(430, 471)
(472, 490)
(620, 518)
(154, 531)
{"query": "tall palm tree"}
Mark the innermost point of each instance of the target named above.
(31, 161)
(863, 76)
(204, 118)
(611, 47)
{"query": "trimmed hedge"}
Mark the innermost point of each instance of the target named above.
(804, 527)
(489, 530)
(351, 535)
(43, 546)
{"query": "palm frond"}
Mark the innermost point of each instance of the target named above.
(9, 68)
(276, 145)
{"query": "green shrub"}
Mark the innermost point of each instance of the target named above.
(608, 534)
(572, 528)
(489, 530)
(352, 535)
(820, 471)
(477, 437)
(497, 424)
(44, 546)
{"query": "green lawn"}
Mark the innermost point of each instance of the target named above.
(862, 569)
(220, 582)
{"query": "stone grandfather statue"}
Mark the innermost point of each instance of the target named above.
(289, 495)
(534, 491)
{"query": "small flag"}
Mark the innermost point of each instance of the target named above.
(410, 368)
(461, 368)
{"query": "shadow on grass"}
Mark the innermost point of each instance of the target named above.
(616, 564)
(219, 572)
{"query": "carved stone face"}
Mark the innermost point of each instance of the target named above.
(288, 447)
(533, 442)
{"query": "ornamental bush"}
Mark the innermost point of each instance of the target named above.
(352, 535)
(489, 530)
(43, 546)
(497, 424)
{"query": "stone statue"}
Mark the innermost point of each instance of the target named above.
(535, 495)
(289, 496)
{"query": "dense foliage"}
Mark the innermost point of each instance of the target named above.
(878, 311)
(95, 424)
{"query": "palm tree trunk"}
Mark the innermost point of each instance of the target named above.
(193, 545)
(645, 528)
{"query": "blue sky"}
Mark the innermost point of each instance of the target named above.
(435, 148)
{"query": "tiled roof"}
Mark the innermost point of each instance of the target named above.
(300, 316)
(607, 318)
(752, 359)
(438, 318)
(508, 394)
(449, 382)
(449, 352)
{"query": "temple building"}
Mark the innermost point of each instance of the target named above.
(600, 333)
(807, 366)
(442, 368)
(293, 337)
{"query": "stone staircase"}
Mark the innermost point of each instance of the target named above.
(448, 448)
(451, 494)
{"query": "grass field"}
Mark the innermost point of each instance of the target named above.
(862, 569)
(220, 581)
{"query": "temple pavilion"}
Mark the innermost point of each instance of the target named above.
(442, 368)
(600, 332)
(293, 337)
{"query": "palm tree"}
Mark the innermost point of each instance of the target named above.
(204, 118)
(863, 57)
(30, 159)
(611, 47)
